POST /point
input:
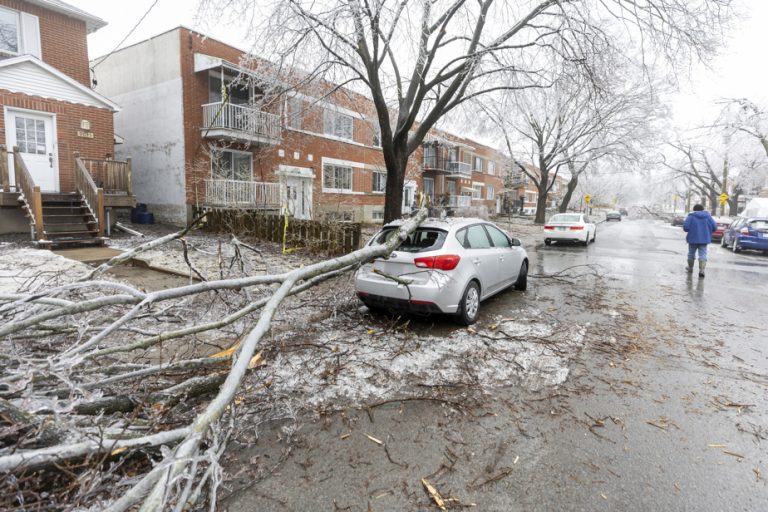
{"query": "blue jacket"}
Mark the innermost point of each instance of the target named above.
(699, 226)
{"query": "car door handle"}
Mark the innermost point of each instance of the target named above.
(501, 258)
(476, 261)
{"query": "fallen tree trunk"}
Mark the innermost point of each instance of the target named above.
(102, 361)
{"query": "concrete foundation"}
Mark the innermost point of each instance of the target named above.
(13, 220)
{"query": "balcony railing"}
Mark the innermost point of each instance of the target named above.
(459, 201)
(114, 176)
(461, 169)
(242, 194)
(243, 120)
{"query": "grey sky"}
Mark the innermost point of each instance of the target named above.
(739, 71)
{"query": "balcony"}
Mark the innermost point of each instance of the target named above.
(458, 170)
(246, 195)
(459, 201)
(240, 122)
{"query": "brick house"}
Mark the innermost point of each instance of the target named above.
(49, 111)
(205, 132)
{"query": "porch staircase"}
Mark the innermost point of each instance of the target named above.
(68, 222)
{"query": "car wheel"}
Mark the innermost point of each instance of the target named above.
(736, 247)
(522, 278)
(547, 241)
(594, 236)
(469, 308)
(722, 242)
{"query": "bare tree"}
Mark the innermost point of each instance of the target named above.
(562, 130)
(419, 60)
(745, 117)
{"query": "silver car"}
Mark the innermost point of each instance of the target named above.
(445, 266)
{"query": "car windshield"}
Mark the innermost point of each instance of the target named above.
(422, 240)
(565, 218)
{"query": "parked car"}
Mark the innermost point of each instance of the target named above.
(747, 233)
(722, 225)
(446, 266)
(569, 227)
(623, 211)
(678, 219)
(613, 216)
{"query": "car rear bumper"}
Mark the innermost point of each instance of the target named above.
(751, 242)
(565, 235)
(439, 294)
(379, 301)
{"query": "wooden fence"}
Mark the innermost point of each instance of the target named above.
(312, 236)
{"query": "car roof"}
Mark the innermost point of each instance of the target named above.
(446, 223)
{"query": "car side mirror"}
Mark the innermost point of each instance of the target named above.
(514, 242)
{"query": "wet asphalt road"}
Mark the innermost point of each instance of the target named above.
(666, 407)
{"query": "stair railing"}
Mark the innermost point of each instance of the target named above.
(93, 195)
(5, 178)
(31, 192)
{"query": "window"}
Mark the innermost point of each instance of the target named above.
(337, 124)
(477, 191)
(379, 181)
(430, 157)
(337, 178)
(377, 214)
(295, 112)
(9, 31)
(422, 240)
(491, 167)
(451, 187)
(429, 187)
(231, 165)
(377, 135)
(19, 33)
(474, 237)
(498, 238)
(477, 164)
(30, 135)
(237, 92)
(489, 192)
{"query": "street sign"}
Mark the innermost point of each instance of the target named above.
(723, 198)
(587, 198)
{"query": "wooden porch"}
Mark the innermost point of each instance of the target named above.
(68, 218)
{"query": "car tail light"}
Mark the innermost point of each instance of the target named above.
(577, 228)
(442, 262)
(549, 227)
(744, 231)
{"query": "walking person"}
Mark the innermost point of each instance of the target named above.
(699, 225)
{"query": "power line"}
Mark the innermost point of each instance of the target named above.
(129, 33)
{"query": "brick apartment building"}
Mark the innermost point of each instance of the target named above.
(203, 136)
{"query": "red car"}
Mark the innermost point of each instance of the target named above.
(722, 225)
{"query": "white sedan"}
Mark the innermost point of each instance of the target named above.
(569, 227)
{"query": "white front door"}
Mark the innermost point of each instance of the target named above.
(34, 134)
(297, 196)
